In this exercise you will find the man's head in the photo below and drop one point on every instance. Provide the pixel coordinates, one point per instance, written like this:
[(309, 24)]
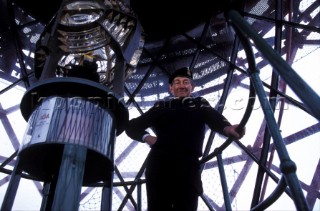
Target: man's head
[(181, 84)]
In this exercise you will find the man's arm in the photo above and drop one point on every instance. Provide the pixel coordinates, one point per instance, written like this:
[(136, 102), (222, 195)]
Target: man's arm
[(218, 122), (136, 127)]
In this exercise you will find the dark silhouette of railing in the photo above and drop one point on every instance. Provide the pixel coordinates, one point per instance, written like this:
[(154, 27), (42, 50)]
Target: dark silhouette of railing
[(289, 181)]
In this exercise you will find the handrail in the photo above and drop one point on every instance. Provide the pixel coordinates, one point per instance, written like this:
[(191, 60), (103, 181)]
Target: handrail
[(243, 122), (240, 127), (263, 167), (278, 191), (308, 96), (288, 167), (217, 152)]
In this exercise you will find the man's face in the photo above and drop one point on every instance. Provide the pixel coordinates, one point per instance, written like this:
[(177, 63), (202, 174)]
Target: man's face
[(181, 87)]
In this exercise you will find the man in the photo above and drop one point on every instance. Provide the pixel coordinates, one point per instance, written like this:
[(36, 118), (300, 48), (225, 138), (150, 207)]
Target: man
[(173, 177)]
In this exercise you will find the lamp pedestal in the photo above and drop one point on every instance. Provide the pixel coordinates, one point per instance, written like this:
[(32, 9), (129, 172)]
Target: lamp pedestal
[(69, 140)]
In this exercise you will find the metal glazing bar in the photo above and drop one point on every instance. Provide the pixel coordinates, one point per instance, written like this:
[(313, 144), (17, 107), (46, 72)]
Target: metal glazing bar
[(288, 167), (297, 84)]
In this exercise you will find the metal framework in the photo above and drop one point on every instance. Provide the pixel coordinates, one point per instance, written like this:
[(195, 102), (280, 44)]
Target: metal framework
[(251, 49)]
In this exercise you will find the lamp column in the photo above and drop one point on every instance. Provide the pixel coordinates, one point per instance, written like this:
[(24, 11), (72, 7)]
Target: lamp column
[(75, 111)]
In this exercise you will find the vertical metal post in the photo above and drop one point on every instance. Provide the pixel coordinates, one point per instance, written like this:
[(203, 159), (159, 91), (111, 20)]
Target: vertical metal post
[(12, 188), (224, 184), (68, 189), (139, 198), (106, 197)]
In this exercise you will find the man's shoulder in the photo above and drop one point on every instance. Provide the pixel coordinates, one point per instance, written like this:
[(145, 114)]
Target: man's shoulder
[(170, 100), (200, 100), (162, 102)]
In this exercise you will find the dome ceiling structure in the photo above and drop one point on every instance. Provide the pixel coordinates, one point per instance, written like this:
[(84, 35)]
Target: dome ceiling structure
[(201, 35)]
